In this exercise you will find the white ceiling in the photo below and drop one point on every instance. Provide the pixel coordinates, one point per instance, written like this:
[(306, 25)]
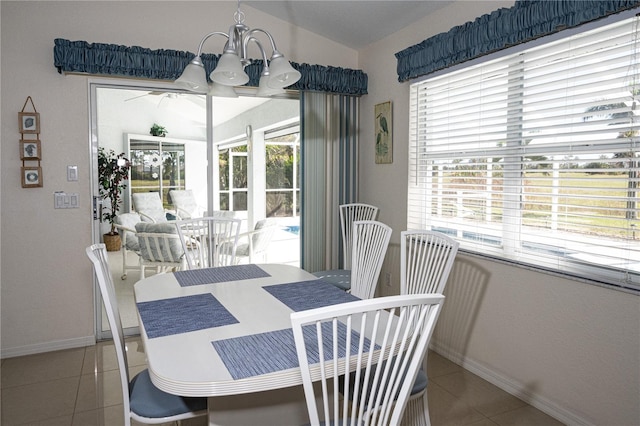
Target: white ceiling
[(354, 23)]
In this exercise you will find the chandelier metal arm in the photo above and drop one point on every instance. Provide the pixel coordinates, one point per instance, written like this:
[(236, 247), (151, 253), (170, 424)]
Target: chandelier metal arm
[(205, 38), (250, 36)]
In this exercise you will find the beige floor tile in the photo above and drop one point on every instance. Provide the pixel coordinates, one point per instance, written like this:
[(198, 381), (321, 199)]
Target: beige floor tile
[(99, 358), (437, 365), (99, 390), (446, 409), (56, 421), (37, 402), (480, 394), (483, 422), (42, 367), (525, 416), (135, 352), (109, 416)]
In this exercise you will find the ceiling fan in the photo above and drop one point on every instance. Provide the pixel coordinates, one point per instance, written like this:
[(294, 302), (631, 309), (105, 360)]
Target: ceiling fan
[(196, 99)]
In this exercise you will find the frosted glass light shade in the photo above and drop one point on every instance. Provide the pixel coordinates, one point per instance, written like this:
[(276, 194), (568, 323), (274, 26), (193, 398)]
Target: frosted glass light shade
[(193, 77), (229, 71), (282, 73), (265, 91), (221, 91)]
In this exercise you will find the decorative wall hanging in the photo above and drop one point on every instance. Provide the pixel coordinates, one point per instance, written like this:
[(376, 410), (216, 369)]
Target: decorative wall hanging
[(30, 147), (383, 121)]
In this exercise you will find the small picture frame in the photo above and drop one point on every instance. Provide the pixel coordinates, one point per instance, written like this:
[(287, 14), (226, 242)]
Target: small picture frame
[(383, 130), (29, 122), (31, 177), (30, 150)]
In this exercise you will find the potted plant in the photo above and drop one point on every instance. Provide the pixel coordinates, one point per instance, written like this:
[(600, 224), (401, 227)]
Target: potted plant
[(158, 130), (113, 171)]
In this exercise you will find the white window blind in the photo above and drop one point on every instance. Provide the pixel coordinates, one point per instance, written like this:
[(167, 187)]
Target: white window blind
[(533, 157)]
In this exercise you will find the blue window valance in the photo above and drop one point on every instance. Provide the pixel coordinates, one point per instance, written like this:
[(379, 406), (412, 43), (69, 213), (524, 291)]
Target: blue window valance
[(505, 27), (161, 64)]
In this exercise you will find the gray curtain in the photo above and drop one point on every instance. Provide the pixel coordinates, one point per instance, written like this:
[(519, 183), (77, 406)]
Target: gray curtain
[(329, 174)]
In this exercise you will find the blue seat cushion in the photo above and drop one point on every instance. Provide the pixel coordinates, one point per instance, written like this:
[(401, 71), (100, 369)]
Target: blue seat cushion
[(149, 401), (419, 384), (340, 278)]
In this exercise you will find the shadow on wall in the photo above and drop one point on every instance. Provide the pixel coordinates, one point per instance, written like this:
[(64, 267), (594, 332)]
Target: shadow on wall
[(391, 263), (463, 296)]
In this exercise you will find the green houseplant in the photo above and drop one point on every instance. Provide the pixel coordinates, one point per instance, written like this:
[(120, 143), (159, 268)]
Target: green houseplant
[(113, 172), (158, 130)]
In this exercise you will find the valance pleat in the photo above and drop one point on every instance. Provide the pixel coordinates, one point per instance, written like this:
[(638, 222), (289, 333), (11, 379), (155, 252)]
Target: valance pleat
[(505, 27), (162, 64)]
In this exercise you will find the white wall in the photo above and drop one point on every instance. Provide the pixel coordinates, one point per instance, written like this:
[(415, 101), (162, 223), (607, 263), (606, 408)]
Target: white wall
[(47, 292), (570, 348)]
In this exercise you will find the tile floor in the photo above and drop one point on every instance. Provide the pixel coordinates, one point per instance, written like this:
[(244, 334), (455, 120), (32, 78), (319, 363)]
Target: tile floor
[(81, 387)]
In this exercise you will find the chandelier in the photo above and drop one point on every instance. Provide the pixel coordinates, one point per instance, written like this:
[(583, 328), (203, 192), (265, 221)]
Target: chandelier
[(277, 73)]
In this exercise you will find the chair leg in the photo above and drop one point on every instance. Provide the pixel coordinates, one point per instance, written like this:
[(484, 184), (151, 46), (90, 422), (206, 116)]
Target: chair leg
[(417, 411), (124, 264)]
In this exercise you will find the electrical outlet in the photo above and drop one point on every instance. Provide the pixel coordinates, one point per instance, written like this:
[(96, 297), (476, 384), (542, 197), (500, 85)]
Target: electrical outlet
[(387, 279)]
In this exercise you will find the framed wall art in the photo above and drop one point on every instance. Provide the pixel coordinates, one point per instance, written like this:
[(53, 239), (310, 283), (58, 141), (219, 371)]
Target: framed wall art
[(29, 122), (31, 177), (30, 150), (383, 126)]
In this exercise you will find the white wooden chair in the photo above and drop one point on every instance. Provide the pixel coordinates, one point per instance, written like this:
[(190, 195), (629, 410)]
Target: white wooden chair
[(142, 401), (160, 247), (209, 241), (361, 382), (369, 247), (426, 260), (349, 213)]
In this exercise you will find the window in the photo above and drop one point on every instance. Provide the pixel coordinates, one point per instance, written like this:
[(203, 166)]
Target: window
[(533, 157), (157, 167), (283, 172), (233, 177)]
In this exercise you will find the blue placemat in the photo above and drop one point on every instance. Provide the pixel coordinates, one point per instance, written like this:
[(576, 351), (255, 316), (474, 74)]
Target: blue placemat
[(303, 295), (219, 275), (183, 314), (263, 353)]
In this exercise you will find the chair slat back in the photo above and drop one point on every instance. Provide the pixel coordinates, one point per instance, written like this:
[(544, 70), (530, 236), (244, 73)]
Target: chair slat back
[(369, 247), (97, 253), (350, 213), (209, 241), (364, 356), (426, 259)]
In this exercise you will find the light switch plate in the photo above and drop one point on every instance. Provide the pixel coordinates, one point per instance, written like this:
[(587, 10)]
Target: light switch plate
[(72, 173)]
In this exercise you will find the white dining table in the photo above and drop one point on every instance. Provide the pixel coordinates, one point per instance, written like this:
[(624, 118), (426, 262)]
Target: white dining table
[(225, 333)]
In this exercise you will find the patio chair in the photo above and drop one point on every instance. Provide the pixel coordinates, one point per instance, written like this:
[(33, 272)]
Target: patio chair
[(426, 260), (364, 357), (349, 213), (253, 245), (126, 225), (160, 247), (149, 206), (185, 204), (208, 241), (142, 401), (369, 247)]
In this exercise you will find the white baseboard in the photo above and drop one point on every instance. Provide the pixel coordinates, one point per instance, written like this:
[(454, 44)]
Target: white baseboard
[(48, 347), (513, 387)]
